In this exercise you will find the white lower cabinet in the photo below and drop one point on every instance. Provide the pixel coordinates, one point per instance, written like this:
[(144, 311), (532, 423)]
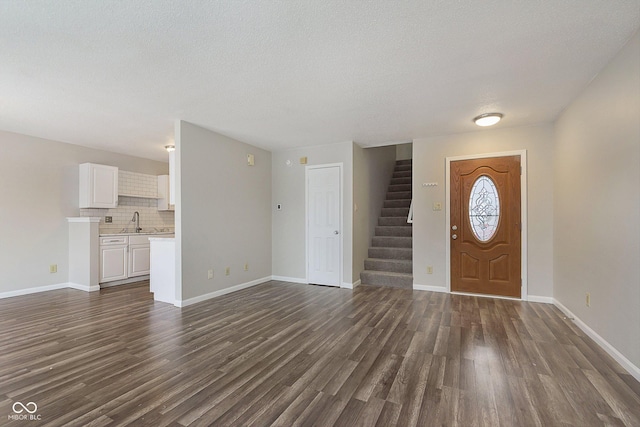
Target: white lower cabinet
[(113, 258), (139, 256), (122, 257)]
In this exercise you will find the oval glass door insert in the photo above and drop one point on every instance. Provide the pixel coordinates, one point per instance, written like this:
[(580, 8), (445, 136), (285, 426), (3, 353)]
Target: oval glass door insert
[(484, 208)]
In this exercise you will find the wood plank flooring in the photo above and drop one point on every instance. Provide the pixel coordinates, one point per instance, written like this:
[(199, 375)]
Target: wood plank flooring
[(285, 354)]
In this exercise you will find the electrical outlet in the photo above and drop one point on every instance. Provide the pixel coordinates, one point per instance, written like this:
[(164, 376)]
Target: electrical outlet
[(437, 206), (588, 299), (246, 266), (53, 268), (429, 270), (210, 274), (227, 271), (108, 219)]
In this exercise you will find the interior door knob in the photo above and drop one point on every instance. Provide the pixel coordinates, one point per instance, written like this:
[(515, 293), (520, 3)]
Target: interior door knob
[(454, 236), (454, 227), (335, 232)]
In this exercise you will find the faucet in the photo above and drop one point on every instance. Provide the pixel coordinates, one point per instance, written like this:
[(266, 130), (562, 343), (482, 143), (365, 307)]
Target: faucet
[(136, 218)]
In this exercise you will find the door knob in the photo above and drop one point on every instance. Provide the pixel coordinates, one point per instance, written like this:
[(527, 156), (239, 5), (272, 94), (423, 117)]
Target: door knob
[(454, 227), (454, 236), (335, 232)]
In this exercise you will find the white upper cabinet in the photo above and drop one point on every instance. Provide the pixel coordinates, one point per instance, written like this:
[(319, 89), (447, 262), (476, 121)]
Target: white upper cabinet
[(163, 194), (98, 186)]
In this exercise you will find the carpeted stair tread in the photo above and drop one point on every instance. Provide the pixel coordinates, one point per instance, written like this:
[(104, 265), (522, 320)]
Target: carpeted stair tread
[(391, 242), (390, 265), (399, 195), (399, 187), (397, 203), (385, 278), (398, 231), (402, 174), (397, 221), (395, 212), (391, 253)]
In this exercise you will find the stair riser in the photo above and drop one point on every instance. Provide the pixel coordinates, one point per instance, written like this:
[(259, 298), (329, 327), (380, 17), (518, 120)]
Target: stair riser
[(404, 162), (397, 203), (404, 180), (395, 212), (402, 174), (399, 187), (401, 168), (391, 242), (393, 221), (391, 253), (371, 278), (398, 231), (391, 265), (399, 195)]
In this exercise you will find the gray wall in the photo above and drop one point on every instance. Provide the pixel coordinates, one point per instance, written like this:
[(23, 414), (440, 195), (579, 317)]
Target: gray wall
[(39, 191), (372, 170), (224, 216), (597, 204), (289, 232), (404, 151), (430, 236)]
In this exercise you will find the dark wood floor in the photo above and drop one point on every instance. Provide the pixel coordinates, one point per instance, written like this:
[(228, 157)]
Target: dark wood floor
[(294, 355)]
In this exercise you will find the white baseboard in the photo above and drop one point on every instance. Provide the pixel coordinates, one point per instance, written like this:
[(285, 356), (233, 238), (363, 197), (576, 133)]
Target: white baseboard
[(290, 279), (83, 287), (346, 285), (19, 292), (356, 283), (195, 300), (429, 288), (536, 298), (611, 350)]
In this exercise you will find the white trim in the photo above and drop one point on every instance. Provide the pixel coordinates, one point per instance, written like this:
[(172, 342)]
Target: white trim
[(523, 213), (340, 167), (86, 288), (536, 298), (221, 292), (347, 285), (19, 292), (611, 350), (469, 294), (429, 288), (290, 279)]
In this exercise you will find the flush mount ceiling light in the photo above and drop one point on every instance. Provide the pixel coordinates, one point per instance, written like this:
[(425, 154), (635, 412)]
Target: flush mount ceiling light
[(170, 148), (488, 119)]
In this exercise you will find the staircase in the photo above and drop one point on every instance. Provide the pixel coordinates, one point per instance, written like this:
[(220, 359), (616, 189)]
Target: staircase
[(391, 254)]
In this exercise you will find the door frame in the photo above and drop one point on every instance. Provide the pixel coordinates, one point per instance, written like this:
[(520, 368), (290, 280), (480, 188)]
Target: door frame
[(524, 294), (306, 217)]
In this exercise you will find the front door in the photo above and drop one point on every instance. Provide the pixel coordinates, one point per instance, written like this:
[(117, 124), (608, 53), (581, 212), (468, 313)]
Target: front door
[(485, 229), (323, 222)]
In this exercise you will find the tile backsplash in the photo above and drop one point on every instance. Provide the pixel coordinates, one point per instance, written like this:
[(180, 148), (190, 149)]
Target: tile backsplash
[(139, 184)]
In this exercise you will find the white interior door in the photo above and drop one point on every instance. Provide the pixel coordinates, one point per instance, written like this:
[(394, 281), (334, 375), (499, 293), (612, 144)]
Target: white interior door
[(324, 227)]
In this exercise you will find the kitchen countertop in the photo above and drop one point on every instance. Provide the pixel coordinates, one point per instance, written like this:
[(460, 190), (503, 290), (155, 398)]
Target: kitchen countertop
[(159, 233)]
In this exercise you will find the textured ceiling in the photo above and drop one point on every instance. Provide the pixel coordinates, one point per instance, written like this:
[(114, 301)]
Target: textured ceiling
[(279, 74)]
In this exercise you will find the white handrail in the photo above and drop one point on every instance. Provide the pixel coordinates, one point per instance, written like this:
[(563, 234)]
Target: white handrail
[(410, 216)]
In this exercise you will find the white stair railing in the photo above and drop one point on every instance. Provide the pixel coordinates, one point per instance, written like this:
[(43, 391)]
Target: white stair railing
[(410, 216)]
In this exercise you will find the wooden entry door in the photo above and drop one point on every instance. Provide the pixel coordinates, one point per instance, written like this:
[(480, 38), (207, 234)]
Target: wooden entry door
[(486, 225)]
